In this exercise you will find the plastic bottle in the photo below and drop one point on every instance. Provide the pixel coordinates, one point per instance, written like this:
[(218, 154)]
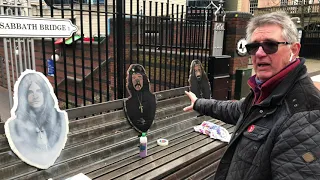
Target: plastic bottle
[(143, 145)]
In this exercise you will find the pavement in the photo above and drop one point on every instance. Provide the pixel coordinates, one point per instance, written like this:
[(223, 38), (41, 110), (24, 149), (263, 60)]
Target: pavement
[(313, 67)]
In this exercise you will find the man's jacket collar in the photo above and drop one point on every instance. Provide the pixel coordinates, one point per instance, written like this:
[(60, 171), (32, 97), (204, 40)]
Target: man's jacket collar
[(279, 84)]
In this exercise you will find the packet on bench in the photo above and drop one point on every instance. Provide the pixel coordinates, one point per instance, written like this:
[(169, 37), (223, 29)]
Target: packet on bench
[(213, 130)]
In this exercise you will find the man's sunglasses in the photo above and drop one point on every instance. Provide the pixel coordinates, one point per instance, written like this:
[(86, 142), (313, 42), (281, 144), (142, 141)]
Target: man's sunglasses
[(269, 47)]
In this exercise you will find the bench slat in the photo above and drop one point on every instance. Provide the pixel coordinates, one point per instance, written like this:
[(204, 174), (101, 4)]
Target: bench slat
[(171, 93), (210, 177), (94, 109), (92, 121), (4, 145), (118, 104), (2, 128), (9, 172), (206, 171), (197, 166)]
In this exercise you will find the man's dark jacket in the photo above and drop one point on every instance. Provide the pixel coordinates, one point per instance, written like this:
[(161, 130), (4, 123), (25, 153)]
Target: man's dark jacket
[(278, 138)]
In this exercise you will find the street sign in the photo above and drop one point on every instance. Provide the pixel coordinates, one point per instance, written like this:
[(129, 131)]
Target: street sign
[(241, 47), (26, 26)]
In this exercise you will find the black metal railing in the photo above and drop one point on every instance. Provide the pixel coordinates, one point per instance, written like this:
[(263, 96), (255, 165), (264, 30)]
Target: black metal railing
[(163, 37), (310, 44)]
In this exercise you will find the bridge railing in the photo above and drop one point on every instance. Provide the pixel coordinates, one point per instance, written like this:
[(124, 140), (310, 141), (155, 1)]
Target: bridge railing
[(290, 9)]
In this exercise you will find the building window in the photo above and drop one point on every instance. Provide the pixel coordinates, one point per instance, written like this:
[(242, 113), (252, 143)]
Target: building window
[(299, 2), (283, 2), (11, 11), (253, 5), (77, 1), (201, 4)]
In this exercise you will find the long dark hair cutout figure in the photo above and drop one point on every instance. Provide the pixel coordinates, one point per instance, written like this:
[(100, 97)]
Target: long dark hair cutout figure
[(198, 80), (140, 107), (37, 129)]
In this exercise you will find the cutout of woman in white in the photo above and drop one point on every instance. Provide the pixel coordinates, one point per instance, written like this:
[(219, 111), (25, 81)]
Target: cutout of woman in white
[(37, 130)]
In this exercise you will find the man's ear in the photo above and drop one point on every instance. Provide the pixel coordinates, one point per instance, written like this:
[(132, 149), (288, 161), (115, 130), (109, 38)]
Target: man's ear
[(295, 48)]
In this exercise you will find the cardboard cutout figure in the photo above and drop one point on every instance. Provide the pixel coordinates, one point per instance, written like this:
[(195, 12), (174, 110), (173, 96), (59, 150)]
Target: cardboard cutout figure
[(140, 107), (37, 129), (198, 80)]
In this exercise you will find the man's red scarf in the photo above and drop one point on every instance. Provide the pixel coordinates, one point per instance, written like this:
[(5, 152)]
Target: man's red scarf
[(263, 90)]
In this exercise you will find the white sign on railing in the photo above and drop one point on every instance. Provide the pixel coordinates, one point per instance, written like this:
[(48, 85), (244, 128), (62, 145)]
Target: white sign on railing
[(26, 26)]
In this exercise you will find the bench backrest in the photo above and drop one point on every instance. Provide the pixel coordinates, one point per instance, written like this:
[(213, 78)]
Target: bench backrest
[(118, 104), (89, 110)]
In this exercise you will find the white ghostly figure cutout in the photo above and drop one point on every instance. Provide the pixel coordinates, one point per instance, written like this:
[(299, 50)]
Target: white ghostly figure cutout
[(35, 96), (37, 129)]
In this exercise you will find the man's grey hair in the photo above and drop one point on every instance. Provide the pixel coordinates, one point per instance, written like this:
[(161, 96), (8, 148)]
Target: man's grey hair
[(280, 18)]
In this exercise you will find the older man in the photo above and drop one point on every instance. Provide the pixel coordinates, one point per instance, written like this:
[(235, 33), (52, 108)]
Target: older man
[(277, 132)]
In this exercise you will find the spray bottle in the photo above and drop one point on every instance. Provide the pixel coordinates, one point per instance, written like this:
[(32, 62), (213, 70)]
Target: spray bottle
[(143, 145)]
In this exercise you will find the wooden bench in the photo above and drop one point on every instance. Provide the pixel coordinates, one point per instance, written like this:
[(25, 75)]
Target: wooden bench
[(103, 145)]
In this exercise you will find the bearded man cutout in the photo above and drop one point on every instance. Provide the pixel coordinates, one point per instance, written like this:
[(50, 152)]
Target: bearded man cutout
[(198, 80), (140, 107)]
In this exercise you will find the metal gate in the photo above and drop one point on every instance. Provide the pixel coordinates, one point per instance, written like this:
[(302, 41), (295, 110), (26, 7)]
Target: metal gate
[(310, 41)]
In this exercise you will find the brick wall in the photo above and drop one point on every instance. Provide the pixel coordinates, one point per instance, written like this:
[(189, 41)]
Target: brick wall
[(236, 23)]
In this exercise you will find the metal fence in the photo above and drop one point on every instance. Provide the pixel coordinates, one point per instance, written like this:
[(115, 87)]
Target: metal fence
[(310, 41), (16, 53), (293, 9), (90, 67)]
